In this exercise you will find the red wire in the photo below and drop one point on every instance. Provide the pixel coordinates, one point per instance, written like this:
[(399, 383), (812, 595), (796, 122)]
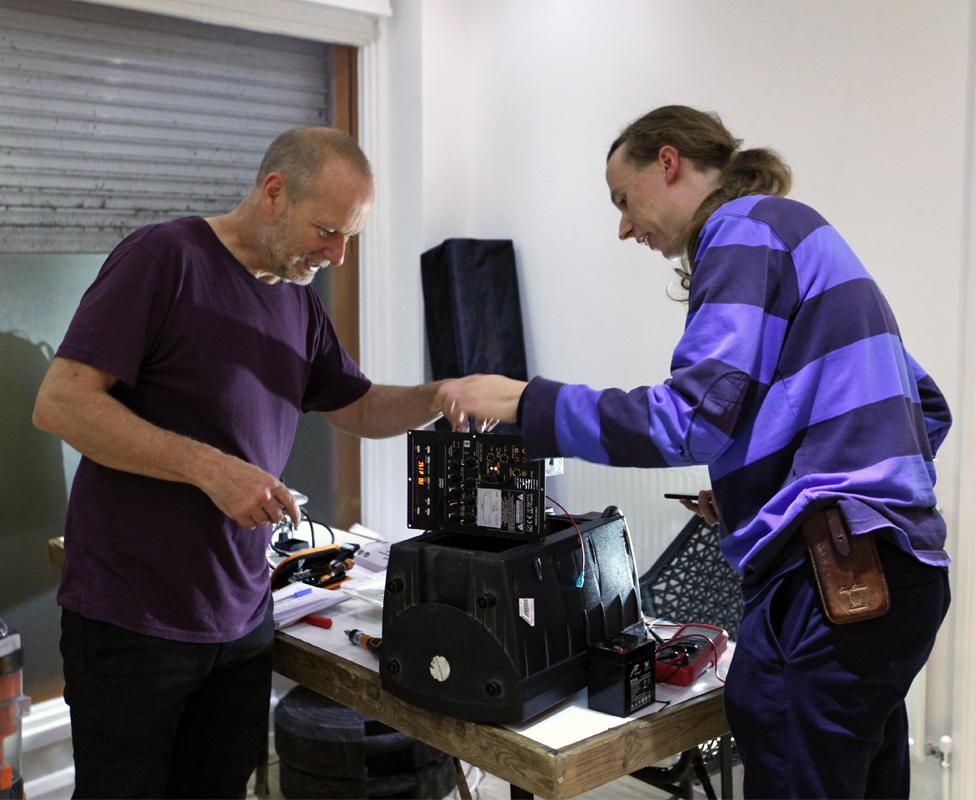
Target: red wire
[(672, 640), (578, 533)]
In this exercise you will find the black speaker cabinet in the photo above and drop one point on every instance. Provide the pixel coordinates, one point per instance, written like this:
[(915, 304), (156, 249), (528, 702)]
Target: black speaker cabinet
[(494, 630)]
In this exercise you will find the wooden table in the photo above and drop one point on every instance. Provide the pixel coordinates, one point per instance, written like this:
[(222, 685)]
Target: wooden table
[(538, 769), (525, 763)]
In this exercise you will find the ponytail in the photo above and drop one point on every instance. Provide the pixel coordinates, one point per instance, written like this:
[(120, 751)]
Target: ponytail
[(756, 171)]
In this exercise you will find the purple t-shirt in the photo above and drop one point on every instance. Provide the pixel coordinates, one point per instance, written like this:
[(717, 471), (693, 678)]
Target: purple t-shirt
[(201, 348)]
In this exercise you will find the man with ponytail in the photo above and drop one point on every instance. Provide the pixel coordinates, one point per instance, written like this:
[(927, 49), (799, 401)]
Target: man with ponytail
[(792, 384)]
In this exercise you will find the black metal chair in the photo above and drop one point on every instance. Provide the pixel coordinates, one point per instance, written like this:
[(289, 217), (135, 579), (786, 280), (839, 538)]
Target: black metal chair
[(693, 582)]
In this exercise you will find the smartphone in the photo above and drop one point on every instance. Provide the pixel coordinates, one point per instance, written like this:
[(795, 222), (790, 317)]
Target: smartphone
[(692, 497)]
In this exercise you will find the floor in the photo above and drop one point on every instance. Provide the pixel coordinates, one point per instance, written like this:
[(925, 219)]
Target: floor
[(927, 779), (489, 787)]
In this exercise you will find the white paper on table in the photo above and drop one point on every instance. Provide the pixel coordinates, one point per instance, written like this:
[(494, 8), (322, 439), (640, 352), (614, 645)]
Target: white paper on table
[(288, 608), (370, 587)]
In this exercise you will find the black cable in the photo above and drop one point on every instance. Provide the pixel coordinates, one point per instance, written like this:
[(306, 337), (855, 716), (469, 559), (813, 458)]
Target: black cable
[(649, 626), (316, 522), (311, 525), (276, 531)]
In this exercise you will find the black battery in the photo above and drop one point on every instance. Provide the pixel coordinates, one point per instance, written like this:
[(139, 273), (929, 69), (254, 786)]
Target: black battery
[(621, 672)]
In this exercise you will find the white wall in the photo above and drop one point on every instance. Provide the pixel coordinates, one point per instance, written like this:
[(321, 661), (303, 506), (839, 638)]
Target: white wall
[(866, 100), (422, 198), (517, 102)]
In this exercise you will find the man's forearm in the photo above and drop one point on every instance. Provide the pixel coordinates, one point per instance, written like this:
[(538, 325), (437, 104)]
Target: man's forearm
[(103, 429), (395, 409), (388, 411), (74, 404)]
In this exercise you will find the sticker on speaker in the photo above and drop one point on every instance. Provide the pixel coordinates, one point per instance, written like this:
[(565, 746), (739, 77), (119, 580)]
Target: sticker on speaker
[(440, 668)]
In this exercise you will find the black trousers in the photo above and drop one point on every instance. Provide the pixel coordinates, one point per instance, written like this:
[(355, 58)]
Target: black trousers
[(157, 718), (817, 709)]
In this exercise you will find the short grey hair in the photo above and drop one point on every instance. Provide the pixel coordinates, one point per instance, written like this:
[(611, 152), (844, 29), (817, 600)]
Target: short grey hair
[(300, 154)]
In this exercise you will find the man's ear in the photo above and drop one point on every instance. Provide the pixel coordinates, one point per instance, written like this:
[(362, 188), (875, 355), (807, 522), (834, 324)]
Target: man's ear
[(274, 194), (670, 161)]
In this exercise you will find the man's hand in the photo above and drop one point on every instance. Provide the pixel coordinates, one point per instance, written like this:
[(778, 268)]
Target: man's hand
[(705, 507), (479, 402), (247, 494)]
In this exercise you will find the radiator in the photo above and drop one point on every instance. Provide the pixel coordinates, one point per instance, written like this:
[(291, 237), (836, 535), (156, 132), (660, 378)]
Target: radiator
[(638, 493)]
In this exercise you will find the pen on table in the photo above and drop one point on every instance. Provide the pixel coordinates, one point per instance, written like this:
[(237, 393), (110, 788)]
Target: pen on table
[(364, 640), (299, 593), (318, 621)]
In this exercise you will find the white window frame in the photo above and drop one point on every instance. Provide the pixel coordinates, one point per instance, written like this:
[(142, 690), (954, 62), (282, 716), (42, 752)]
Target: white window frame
[(351, 22)]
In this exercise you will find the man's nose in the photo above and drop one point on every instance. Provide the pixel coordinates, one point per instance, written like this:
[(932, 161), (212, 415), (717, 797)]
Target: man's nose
[(335, 250), (626, 230)]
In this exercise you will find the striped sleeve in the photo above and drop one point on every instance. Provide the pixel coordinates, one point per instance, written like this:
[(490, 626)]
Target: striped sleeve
[(743, 290), (935, 410)]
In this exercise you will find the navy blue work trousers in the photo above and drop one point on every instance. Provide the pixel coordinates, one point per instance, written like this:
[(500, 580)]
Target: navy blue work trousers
[(156, 718), (817, 709)]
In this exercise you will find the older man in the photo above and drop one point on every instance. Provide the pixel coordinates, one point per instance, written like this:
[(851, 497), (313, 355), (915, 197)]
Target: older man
[(181, 380)]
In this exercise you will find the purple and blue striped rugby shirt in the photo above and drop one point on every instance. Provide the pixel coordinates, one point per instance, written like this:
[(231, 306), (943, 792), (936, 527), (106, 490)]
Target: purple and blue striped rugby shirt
[(790, 382)]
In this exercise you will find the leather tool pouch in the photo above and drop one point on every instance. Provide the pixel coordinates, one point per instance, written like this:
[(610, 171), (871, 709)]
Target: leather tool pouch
[(848, 571)]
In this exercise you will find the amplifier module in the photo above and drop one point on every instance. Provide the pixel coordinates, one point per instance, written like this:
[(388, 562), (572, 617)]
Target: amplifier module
[(481, 484)]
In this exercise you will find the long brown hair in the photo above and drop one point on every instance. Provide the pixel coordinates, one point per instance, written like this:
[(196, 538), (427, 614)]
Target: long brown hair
[(701, 137)]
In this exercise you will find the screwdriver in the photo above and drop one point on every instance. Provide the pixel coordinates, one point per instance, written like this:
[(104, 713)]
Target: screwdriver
[(364, 640)]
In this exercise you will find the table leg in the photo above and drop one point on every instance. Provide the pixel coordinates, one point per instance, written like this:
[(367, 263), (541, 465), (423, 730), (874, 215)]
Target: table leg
[(725, 764), (518, 793), (698, 766), (462, 780)]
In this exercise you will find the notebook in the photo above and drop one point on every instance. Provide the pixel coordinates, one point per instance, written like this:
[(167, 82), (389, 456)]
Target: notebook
[(294, 601)]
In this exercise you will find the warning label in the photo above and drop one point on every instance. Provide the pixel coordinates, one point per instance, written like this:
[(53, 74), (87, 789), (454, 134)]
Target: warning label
[(490, 508)]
